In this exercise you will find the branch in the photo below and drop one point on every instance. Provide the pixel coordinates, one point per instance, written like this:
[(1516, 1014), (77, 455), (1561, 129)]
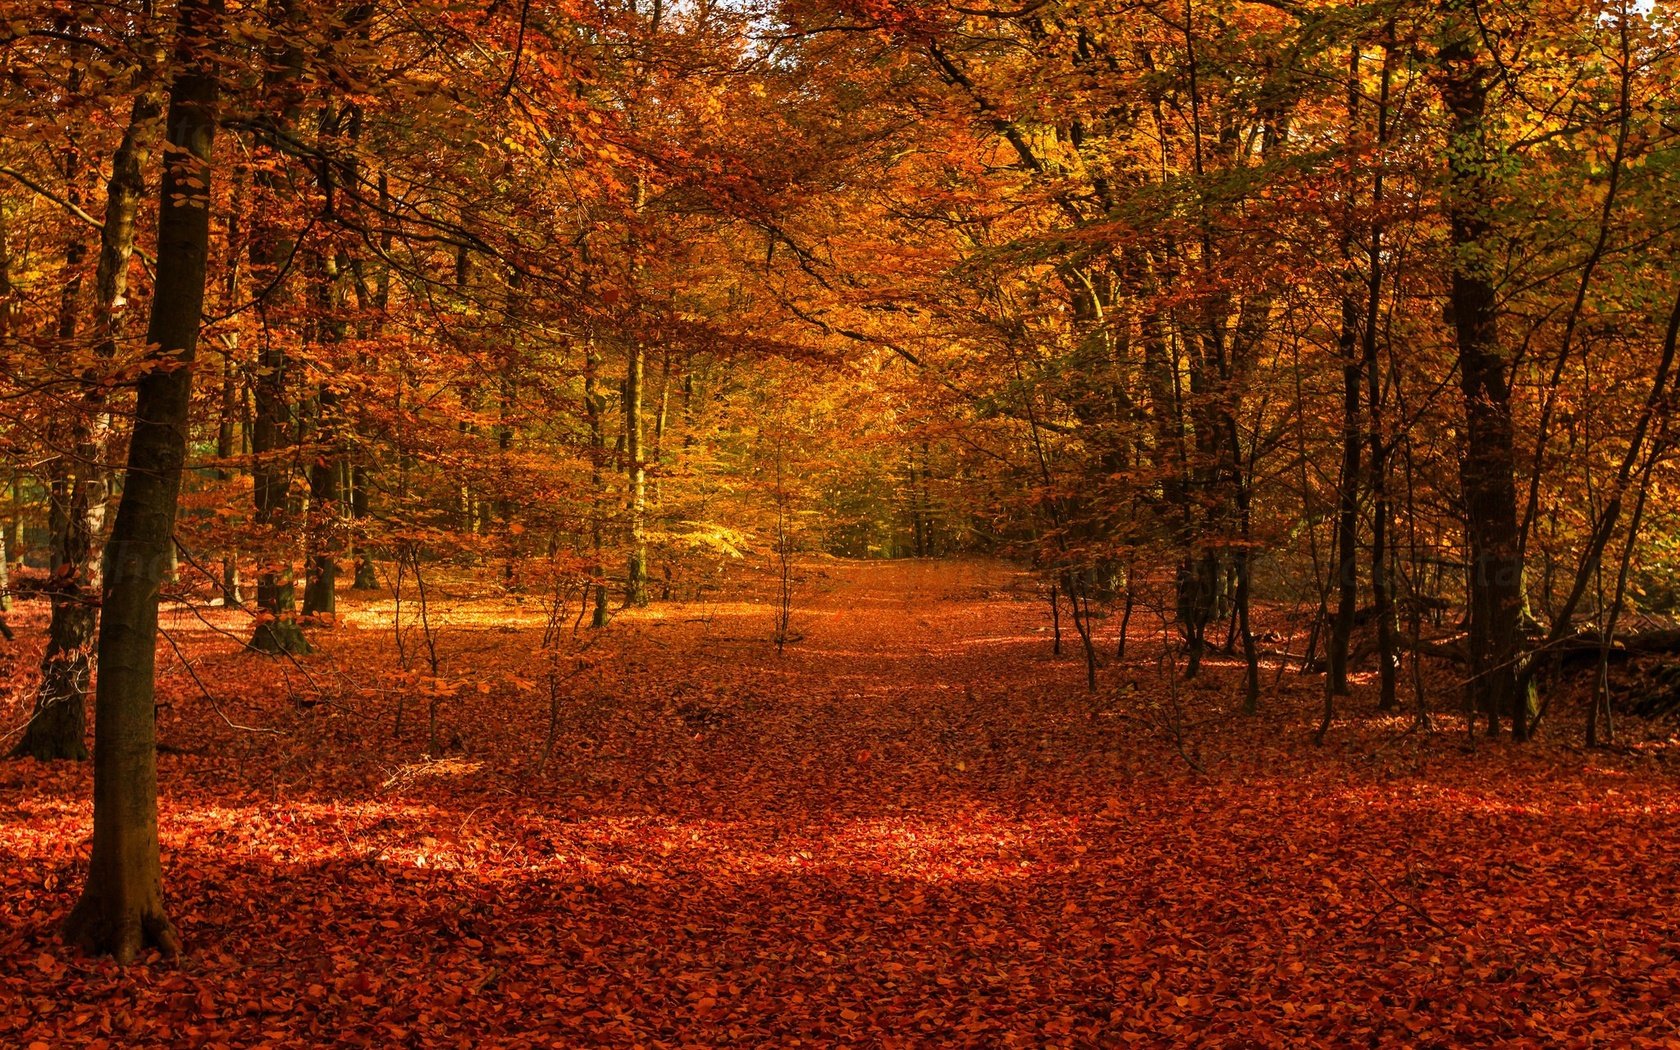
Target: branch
[(70, 206)]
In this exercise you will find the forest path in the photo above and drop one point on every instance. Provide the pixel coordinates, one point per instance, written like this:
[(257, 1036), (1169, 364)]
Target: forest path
[(906, 666), (913, 828), (911, 621)]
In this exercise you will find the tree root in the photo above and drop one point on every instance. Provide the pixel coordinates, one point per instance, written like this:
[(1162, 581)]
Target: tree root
[(93, 929)]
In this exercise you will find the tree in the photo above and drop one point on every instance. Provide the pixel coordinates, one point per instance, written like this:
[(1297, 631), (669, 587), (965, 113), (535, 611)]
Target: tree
[(58, 725), (121, 909), (1487, 469)]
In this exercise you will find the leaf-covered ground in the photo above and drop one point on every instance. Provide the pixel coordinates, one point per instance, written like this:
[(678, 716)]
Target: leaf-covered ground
[(914, 828)]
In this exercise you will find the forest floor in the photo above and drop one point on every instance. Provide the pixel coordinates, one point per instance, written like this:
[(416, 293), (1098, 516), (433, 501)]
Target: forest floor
[(915, 827)]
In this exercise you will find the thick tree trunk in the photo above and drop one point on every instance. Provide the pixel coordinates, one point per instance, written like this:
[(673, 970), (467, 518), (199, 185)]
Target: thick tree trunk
[(121, 907), (1486, 473), (273, 420)]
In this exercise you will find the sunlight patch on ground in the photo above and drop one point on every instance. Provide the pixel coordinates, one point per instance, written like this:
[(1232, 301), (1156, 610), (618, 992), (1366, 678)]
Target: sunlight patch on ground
[(430, 769), (976, 846)]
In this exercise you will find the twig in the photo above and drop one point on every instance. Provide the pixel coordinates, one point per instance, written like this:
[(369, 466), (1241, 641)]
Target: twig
[(211, 700), (1396, 902)]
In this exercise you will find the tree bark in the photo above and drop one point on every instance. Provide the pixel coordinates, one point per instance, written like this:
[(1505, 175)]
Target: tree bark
[(1347, 489), (635, 585), (273, 423), (121, 907), (228, 419), (57, 725), (1381, 589), (1487, 470), (320, 593), (9, 311), (592, 410)]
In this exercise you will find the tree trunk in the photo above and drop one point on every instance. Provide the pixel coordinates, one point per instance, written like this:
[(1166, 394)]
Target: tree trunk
[(1486, 473), (1382, 590), (592, 410), (1347, 488), (320, 593), (661, 420), (360, 480), (366, 579), (272, 251), (59, 724), (1347, 508), (121, 906), (635, 585), (227, 422)]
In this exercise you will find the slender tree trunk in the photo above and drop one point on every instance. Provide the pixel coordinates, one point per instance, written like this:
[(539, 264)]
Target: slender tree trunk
[(228, 421), (1243, 490), (321, 589), (1347, 510), (8, 307), (14, 524), (917, 523), (360, 472), (635, 587), (661, 420), (8, 312), (320, 594), (1055, 620), (1381, 589), (593, 410), (1347, 488), (366, 579), (1126, 610), (121, 907)]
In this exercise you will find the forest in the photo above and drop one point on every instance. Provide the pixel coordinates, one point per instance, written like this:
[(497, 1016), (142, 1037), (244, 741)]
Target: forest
[(988, 523)]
